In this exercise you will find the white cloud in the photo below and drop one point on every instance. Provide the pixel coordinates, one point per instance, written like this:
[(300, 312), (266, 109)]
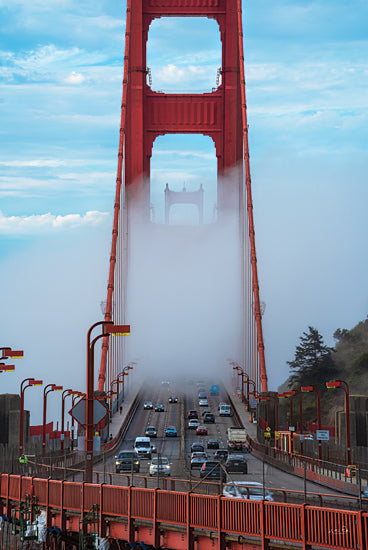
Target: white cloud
[(74, 78), (36, 163), (49, 62), (17, 225)]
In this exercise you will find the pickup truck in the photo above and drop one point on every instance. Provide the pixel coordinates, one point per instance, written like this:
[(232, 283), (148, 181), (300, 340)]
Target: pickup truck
[(237, 439)]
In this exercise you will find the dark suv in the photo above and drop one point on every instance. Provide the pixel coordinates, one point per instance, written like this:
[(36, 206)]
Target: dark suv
[(192, 414), (127, 461), (236, 463), (213, 470), (209, 418), (221, 455)]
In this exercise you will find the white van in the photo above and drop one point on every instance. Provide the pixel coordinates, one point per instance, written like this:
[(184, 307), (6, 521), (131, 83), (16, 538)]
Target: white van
[(225, 410), (143, 447)]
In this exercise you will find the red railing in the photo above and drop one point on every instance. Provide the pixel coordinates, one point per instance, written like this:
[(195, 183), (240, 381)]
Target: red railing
[(302, 524)]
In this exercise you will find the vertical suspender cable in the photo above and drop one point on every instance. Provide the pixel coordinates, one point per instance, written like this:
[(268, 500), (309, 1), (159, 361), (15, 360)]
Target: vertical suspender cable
[(253, 256), (115, 227)]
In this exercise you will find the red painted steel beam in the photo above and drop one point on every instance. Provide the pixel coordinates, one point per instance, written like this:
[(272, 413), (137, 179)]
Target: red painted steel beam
[(178, 8)]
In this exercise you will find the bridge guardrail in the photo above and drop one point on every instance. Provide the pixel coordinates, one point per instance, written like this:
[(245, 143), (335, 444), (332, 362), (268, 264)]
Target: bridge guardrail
[(301, 524)]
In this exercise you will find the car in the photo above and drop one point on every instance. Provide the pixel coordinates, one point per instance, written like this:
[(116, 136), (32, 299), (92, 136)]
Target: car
[(171, 431), (213, 444), (148, 405), (151, 431), (247, 489), (203, 403), (205, 411), (160, 466), (213, 469), (209, 418), (221, 454), (198, 453), (236, 463), (197, 447), (173, 399), (165, 383), (143, 447), (197, 462), (192, 414), (159, 407), (193, 424), (127, 461), (201, 430), (202, 395)]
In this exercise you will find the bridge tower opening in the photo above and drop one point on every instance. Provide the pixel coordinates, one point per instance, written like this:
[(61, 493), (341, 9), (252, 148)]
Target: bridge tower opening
[(216, 114)]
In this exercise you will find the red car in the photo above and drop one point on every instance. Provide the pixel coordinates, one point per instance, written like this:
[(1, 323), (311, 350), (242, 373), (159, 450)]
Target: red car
[(201, 430)]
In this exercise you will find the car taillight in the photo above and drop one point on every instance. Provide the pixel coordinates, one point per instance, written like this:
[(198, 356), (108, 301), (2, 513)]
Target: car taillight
[(204, 466)]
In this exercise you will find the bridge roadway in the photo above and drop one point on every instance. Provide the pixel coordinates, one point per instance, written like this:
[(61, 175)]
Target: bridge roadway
[(177, 449)]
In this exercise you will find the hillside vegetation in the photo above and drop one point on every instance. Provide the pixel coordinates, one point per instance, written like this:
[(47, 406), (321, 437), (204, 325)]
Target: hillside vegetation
[(315, 364)]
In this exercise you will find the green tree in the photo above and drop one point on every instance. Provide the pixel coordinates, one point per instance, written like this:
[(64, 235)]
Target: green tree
[(313, 363)]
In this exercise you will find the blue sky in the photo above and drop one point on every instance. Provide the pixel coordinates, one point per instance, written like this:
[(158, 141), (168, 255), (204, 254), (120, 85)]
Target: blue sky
[(60, 93)]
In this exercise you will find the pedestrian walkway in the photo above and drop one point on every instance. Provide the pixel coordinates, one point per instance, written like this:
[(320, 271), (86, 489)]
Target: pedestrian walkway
[(118, 419)]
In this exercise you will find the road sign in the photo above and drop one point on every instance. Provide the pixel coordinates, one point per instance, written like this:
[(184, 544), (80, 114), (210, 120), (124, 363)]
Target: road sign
[(78, 412), (268, 429), (308, 436), (267, 434), (323, 435)]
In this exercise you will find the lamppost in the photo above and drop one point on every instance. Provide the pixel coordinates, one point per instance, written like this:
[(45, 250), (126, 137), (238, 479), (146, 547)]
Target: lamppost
[(317, 391), (299, 393), (108, 328), (74, 397), (6, 368), (11, 353), (123, 373), (241, 372), (290, 397), (276, 401), (345, 387), (47, 389), (260, 397), (116, 382), (63, 396), (23, 387)]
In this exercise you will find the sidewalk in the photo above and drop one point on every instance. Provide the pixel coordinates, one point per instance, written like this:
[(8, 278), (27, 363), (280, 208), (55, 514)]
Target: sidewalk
[(119, 420)]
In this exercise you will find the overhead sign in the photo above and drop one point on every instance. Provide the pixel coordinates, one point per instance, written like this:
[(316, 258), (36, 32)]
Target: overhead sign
[(78, 412), (323, 435), (308, 436)]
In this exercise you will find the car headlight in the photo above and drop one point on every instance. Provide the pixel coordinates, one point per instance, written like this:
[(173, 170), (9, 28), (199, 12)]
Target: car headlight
[(167, 467), (117, 463), (136, 462)]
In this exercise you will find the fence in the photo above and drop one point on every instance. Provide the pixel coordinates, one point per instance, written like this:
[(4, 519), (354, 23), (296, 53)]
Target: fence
[(300, 524)]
